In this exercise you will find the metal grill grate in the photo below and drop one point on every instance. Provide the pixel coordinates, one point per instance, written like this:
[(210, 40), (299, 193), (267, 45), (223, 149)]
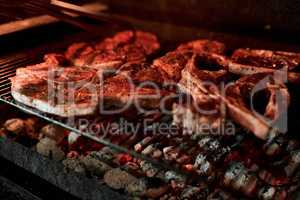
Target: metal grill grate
[(8, 68)]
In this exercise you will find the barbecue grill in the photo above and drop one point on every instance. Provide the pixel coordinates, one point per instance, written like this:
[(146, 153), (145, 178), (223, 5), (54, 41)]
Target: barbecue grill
[(209, 182)]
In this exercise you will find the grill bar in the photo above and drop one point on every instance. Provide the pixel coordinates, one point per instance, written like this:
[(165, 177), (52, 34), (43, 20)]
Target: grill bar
[(15, 62), (6, 97)]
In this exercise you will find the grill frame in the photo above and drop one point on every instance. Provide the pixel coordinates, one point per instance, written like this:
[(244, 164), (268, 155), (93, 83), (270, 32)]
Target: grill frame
[(14, 61), (6, 97), (53, 172)]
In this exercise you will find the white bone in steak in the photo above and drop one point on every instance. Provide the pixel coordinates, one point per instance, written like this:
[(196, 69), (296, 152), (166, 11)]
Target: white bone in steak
[(202, 85), (236, 98), (194, 82)]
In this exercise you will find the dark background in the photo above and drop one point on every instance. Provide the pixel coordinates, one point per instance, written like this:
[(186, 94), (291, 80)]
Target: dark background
[(275, 16)]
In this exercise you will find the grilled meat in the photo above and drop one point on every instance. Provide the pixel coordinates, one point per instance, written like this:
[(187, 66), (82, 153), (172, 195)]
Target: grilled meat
[(200, 46), (202, 85), (83, 54), (238, 93), (147, 42), (135, 84), (51, 62), (173, 63), (251, 61), (118, 92), (124, 47), (242, 70), (144, 73), (198, 83), (247, 66), (267, 58), (65, 92), (205, 107)]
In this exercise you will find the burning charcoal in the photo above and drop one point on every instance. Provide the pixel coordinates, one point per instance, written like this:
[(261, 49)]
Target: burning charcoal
[(106, 154), (153, 151), (293, 145), (219, 194), (171, 153), (133, 139), (131, 167), (294, 191), (267, 193), (148, 150), (209, 144), (31, 126), (137, 188), (183, 159), (169, 196), (203, 166), (118, 179), (122, 158), (157, 153), (72, 138), (2, 133), (155, 187), (240, 179), (73, 154), (140, 146), (48, 147), (272, 179), (149, 168), (274, 146), (293, 163), (148, 187), (270, 193), (74, 165), (191, 193), (95, 166), (177, 180), (14, 125), (53, 132)]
